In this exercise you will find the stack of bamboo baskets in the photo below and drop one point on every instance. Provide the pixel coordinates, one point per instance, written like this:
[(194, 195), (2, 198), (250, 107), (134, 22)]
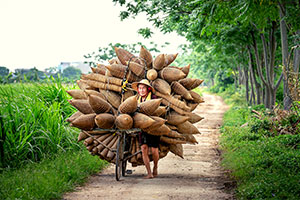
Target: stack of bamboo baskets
[(106, 101)]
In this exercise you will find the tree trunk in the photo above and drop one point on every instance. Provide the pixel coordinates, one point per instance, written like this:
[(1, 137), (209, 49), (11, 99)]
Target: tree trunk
[(246, 83)]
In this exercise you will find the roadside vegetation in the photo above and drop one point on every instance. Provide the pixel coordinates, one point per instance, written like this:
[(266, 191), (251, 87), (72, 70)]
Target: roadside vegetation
[(40, 157), (261, 149)]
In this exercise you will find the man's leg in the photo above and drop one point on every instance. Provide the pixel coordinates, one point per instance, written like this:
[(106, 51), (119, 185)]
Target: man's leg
[(146, 160), (155, 156)]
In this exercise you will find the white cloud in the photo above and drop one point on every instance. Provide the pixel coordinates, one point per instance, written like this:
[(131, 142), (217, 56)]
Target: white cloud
[(44, 33)]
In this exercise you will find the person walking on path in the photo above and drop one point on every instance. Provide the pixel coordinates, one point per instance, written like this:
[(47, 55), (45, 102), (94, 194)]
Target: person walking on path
[(145, 93)]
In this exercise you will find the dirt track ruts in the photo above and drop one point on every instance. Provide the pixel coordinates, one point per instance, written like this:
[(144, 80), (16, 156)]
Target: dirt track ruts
[(197, 176)]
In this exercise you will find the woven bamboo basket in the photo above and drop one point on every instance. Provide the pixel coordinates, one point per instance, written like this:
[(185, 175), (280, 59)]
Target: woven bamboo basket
[(127, 94), (98, 104), (146, 55), (114, 61), (193, 106), (194, 118), (177, 149), (101, 69), (110, 155), (169, 58), (171, 100), (171, 74), (94, 92), (105, 120), (196, 97), (129, 105), (105, 151), (85, 122), (97, 132), (142, 121), (88, 141), (174, 118), (106, 141), (159, 62), (137, 68), (161, 86), (197, 83), (117, 70), (74, 116), (158, 122), (123, 55), (81, 136), (171, 140), (161, 110), (190, 139), (187, 82), (150, 106), (152, 74), (102, 78), (77, 94), (187, 128), (179, 89), (186, 70), (103, 86), (174, 107), (124, 121), (112, 97), (84, 86), (174, 134), (172, 127), (81, 105), (162, 130)]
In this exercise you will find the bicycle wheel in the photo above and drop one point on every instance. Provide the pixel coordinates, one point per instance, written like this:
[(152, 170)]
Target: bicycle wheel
[(119, 158)]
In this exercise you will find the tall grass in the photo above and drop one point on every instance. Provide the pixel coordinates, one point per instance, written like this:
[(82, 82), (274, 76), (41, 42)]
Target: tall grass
[(32, 123)]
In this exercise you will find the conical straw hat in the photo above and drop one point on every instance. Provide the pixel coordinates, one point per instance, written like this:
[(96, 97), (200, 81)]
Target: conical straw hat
[(142, 121), (98, 104), (124, 121), (77, 94), (105, 120), (82, 105), (177, 149), (129, 105), (187, 128), (85, 122), (169, 58), (174, 118), (74, 116), (152, 74), (171, 74), (146, 55), (161, 86), (148, 107), (143, 81), (159, 62)]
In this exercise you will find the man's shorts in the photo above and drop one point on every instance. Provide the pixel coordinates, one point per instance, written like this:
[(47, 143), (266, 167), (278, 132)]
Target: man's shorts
[(150, 140)]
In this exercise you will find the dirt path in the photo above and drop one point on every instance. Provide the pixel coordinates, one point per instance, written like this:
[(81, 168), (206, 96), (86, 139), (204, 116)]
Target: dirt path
[(197, 176)]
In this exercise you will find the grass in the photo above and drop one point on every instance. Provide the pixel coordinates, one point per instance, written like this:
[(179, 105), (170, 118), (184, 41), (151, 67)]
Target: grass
[(50, 178), (265, 166)]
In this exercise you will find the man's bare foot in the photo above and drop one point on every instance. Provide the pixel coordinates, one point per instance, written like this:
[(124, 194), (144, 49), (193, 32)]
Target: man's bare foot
[(155, 171), (148, 176)]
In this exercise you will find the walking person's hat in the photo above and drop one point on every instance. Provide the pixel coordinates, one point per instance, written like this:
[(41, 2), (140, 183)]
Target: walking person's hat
[(143, 81)]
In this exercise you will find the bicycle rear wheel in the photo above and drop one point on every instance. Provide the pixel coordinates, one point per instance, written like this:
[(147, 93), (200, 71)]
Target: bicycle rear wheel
[(119, 158)]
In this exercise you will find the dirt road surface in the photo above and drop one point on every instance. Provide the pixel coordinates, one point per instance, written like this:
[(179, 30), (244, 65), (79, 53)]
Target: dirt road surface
[(197, 176)]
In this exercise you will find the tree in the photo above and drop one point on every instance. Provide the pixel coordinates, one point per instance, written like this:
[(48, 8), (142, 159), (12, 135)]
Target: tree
[(71, 73), (4, 71)]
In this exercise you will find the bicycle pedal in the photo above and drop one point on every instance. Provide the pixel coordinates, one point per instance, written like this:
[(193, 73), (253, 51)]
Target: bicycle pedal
[(128, 171)]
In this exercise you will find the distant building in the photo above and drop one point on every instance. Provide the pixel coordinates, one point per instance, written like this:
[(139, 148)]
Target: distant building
[(84, 68)]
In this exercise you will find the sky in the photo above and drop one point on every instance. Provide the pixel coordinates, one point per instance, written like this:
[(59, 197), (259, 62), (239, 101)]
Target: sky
[(43, 33)]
